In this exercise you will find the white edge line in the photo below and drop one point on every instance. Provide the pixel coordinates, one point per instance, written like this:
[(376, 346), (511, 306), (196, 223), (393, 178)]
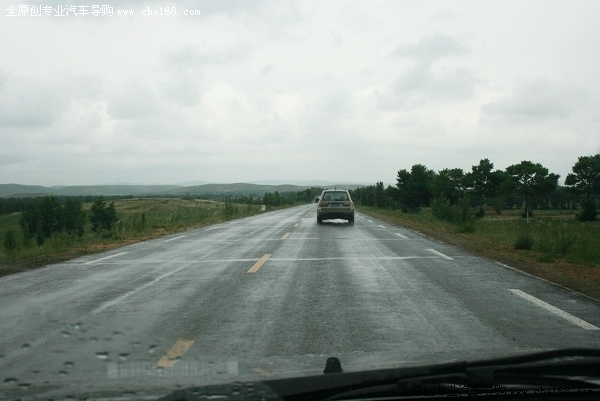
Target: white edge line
[(379, 225), (439, 254), (211, 228), (172, 239), (370, 220), (106, 257), (400, 235), (549, 282), (575, 320)]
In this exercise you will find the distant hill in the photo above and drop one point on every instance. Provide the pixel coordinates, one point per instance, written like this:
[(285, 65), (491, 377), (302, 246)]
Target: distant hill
[(248, 189), (309, 183), (7, 190), (21, 191), (191, 183), (235, 189), (17, 190)]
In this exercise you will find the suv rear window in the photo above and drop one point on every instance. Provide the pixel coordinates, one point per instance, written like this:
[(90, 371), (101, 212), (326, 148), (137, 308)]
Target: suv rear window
[(335, 196)]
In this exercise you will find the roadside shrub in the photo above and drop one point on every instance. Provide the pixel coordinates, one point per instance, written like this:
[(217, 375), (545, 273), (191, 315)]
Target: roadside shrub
[(524, 214), (524, 241), (480, 213), (10, 241), (442, 209), (555, 238), (589, 211), (229, 209), (106, 234), (465, 211), (40, 238), (498, 205), (26, 238), (467, 228), (58, 242)]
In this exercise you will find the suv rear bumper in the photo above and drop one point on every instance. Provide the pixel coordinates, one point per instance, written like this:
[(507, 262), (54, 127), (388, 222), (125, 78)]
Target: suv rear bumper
[(325, 215)]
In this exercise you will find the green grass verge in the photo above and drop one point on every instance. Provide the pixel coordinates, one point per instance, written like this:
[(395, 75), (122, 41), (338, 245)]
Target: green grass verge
[(561, 249), (139, 220)]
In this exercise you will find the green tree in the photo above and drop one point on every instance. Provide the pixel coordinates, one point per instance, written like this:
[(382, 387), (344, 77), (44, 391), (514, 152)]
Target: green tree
[(51, 216), (10, 241), (102, 217), (532, 179), (74, 217), (380, 199), (448, 183), (484, 182), (586, 179), (30, 218), (39, 235), (414, 187)]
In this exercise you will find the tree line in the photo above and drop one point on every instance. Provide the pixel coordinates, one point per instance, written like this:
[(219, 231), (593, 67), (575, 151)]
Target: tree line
[(527, 184), (289, 198), (13, 205), (42, 219)]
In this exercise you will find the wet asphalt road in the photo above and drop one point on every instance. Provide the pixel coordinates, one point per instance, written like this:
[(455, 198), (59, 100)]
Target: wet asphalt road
[(184, 309)]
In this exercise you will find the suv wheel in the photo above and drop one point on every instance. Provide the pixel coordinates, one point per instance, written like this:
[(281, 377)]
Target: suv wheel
[(319, 220), (351, 220)]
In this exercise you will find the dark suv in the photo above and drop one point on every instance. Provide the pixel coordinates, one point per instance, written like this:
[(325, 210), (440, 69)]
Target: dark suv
[(335, 204)]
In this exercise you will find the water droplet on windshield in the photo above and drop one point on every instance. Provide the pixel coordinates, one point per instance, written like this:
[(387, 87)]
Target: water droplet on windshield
[(24, 384), (10, 380), (123, 356), (152, 349), (25, 346), (63, 373), (69, 363), (102, 355), (65, 333)]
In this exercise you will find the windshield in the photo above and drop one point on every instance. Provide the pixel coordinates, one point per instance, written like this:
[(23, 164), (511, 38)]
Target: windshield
[(166, 212)]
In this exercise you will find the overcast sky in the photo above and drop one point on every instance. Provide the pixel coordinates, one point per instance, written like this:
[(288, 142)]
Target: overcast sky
[(349, 91)]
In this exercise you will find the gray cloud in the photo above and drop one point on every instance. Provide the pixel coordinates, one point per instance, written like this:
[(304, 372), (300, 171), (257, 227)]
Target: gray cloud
[(420, 82), (31, 101), (134, 101), (536, 101), (431, 48), (193, 58)]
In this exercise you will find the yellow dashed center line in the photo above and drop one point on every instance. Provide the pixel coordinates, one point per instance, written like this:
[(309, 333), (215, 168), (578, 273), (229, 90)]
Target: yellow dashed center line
[(259, 263), (263, 372), (174, 354), (285, 235)]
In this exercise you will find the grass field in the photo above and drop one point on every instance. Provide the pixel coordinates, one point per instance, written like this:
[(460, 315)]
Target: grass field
[(562, 249), (138, 219)]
